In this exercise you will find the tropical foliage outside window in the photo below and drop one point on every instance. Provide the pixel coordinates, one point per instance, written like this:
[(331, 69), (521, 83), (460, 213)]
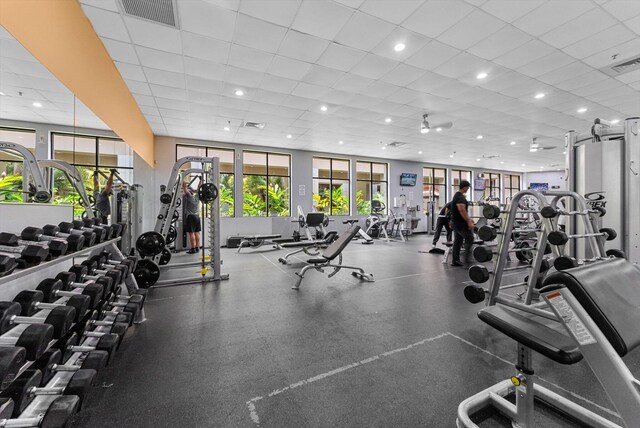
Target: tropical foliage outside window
[(434, 187), (371, 184), (266, 183), (331, 186), (11, 164)]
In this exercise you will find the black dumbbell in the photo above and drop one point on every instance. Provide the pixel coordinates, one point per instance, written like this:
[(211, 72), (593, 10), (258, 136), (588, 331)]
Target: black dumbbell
[(60, 318), (83, 328), (120, 316), (90, 224), (52, 291), (26, 387), (560, 238), (34, 339), (126, 266), (11, 361), (77, 241), (491, 211), (51, 363), (551, 212), (32, 302), (69, 283), (101, 233), (56, 247), (474, 293), (483, 253), (480, 274), (82, 274), (117, 273), (25, 255), (56, 416), (68, 344), (7, 264), (74, 242), (90, 236), (130, 260)]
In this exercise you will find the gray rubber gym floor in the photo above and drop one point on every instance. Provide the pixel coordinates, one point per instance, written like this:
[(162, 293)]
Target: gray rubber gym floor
[(250, 351)]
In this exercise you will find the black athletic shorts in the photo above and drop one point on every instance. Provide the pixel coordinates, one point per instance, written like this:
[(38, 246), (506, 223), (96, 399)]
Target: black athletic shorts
[(192, 223)]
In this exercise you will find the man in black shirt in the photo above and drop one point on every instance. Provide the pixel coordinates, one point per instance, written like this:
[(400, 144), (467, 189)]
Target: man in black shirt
[(443, 221), (462, 224)]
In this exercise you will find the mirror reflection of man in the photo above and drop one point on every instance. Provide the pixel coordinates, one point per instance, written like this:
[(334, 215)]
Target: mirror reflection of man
[(102, 202), (463, 225)]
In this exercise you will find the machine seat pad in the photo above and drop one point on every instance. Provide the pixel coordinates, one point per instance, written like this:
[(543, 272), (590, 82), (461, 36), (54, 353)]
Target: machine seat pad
[(610, 293), (317, 261), (314, 219), (260, 237), (336, 247), (300, 244), (532, 334)]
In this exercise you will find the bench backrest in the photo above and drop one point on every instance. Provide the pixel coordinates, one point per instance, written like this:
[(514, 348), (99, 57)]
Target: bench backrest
[(314, 219), (333, 250), (610, 293)]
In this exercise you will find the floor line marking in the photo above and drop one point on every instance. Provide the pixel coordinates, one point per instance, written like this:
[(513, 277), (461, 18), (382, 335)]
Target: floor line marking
[(573, 394), (251, 403), (168, 298)]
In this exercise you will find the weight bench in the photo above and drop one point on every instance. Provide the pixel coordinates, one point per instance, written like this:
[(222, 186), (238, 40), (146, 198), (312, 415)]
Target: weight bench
[(598, 308), (361, 233), (311, 247), (256, 241), (330, 253)]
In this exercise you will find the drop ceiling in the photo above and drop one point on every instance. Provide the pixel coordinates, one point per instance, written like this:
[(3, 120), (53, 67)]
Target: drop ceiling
[(290, 57)]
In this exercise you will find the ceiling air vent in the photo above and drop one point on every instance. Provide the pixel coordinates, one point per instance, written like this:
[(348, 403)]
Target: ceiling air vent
[(256, 125), (396, 144), (160, 11), (622, 67)]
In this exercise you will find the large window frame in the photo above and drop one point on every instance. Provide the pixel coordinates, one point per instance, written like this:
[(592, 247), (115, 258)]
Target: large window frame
[(457, 175), (11, 165), (273, 188), (375, 179), (434, 187), (332, 200), (492, 186), (227, 174), (509, 188)]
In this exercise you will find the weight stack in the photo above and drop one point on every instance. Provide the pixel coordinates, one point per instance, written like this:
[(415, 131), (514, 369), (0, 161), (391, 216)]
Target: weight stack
[(233, 241)]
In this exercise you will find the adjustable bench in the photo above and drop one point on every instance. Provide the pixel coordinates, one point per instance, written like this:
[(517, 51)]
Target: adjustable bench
[(330, 253), (256, 241), (598, 308)]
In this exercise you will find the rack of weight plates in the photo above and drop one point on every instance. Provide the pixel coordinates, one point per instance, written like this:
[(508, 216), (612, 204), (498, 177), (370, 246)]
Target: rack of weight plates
[(59, 327), (152, 245)]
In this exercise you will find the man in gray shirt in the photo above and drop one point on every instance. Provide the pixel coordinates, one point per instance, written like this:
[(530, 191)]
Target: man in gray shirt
[(102, 202), (191, 218)]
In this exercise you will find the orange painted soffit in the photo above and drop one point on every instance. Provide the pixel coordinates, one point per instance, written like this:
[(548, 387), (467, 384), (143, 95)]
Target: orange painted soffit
[(59, 35)]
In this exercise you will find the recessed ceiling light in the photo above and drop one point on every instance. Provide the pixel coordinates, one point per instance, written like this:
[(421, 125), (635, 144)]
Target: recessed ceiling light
[(226, 128), (323, 108), (513, 143), (478, 159), (438, 129), (420, 152), (533, 149), (481, 75), (450, 156), (37, 104), (388, 120), (479, 137), (582, 110), (424, 130), (340, 142), (239, 92), (384, 147), (501, 162), (539, 95), (289, 136), (399, 47), (524, 165), (541, 167), (614, 121), (2, 94), (564, 153)]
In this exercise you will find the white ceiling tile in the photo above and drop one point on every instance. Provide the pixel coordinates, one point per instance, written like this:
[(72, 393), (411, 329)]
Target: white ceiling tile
[(381, 89), (622, 9), (524, 54), (546, 64), (631, 77), (391, 10), (587, 79), (509, 11), (269, 97), (429, 82), (551, 15), (152, 35), (403, 96), (249, 58), (402, 75), (621, 52), (321, 18), (243, 78), (161, 60), (499, 43), (340, 57), (199, 84), (107, 24), (450, 90), (338, 97), (10, 48), (279, 12), (567, 72), (258, 34), (352, 83), (120, 51), (434, 16), (354, 4), (278, 84), (289, 68), (227, 4), (473, 27), (164, 78), (573, 31), (203, 18), (609, 38), (137, 87), (168, 92), (102, 4), (373, 66), (302, 47), (432, 55), (459, 65), (323, 76), (363, 32), (606, 85), (634, 24), (306, 90), (210, 49), (145, 100), (130, 71), (413, 43), (201, 68)]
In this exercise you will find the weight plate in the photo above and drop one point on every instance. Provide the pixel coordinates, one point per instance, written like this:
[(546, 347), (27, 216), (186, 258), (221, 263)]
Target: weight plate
[(176, 216), (165, 258), (171, 235), (165, 198), (150, 244), (208, 192), (146, 273)]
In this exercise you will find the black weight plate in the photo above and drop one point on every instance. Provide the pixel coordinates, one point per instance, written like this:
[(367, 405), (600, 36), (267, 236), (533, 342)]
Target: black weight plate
[(165, 198), (165, 258), (60, 411), (171, 235), (150, 244), (146, 273)]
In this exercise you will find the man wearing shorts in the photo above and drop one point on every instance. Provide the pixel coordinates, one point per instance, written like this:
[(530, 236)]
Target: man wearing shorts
[(191, 218), (102, 202)]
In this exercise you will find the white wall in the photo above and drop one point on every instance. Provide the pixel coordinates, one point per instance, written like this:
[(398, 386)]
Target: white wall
[(553, 178)]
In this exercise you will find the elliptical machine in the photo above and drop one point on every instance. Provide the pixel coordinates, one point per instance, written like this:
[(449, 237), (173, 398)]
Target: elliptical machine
[(377, 223)]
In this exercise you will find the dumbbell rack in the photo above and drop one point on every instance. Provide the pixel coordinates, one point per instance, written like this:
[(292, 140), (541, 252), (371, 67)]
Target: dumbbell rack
[(500, 259), (27, 279)]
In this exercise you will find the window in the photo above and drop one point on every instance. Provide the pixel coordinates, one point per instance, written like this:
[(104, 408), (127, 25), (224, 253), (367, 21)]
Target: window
[(88, 153), (371, 184), (265, 184), (227, 172), (492, 186), (11, 163), (434, 187), (331, 186), (511, 186), (457, 176)]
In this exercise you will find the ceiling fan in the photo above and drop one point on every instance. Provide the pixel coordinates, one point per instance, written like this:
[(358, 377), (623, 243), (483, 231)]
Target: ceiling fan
[(535, 146), (425, 127)]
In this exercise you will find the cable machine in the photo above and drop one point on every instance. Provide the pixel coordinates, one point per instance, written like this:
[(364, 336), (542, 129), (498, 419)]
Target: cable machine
[(33, 183)]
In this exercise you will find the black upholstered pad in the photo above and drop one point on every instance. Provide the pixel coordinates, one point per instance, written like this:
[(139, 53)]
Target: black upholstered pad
[(332, 251), (532, 334), (314, 219), (610, 293)]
